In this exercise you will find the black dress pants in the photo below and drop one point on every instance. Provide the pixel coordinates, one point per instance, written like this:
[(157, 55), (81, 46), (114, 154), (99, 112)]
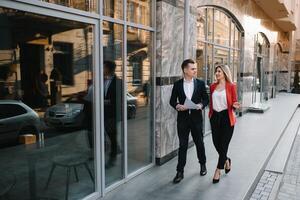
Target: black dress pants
[(221, 134), (184, 128)]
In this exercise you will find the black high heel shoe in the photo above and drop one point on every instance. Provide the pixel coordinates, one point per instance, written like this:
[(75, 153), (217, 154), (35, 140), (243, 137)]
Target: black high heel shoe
[(228, 170), (217, 180)]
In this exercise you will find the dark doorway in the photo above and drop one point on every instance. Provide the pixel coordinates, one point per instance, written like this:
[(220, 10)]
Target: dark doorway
[(31, 62)]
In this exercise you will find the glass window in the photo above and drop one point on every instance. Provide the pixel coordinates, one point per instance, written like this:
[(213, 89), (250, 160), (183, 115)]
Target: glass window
[(113, 8), (237, 38), (113, 93), (232, 34), (221, 28), (200, 59), (139, 11), (201, 24), (139, 104), (210, 13), (52, 74), (11, 110), (90, 5)]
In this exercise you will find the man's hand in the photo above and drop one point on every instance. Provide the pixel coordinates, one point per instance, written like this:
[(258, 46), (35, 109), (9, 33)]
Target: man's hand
[(199, 106), (180, 107)]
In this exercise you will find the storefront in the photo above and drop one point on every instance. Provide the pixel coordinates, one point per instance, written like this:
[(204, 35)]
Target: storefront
[(76, 96)]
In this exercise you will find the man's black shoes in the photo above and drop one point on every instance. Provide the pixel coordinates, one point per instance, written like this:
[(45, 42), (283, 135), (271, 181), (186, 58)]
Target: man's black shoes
[(203, 170), (178, 177)]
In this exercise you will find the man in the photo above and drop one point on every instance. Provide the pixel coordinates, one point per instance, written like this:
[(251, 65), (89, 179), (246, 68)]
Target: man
[(112, 101), (189, 120)]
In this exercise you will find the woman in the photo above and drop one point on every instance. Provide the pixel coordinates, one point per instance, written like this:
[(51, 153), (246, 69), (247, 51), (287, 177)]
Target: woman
[(223, 99)]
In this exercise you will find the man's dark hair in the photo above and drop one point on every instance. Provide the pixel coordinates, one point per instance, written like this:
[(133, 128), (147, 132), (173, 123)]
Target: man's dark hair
[(186, 62), (111, 65)]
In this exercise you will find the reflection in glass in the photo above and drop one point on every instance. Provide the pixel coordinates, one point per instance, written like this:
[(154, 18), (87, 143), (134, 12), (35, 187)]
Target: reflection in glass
[(201, 24), (113, 8), (210, 65), (200, 60), (113, 120), (232, 34), (139, 105), (139, 12), (46, 80), (210, 13), (221, 56), (221, 28), (90, 5), (237, 38)]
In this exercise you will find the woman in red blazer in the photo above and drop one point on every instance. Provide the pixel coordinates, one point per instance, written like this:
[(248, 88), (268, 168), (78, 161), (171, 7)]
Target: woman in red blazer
[(223, 101)]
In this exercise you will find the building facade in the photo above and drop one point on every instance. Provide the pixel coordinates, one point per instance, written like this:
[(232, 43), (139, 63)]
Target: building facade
[(85, 84)]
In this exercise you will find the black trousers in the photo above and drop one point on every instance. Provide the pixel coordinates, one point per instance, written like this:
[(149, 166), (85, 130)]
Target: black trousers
[(184, 128), (221, 134)]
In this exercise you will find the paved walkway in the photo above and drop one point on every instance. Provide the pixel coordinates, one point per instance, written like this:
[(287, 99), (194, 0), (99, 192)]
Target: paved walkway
[(290, 184), (254, 137)]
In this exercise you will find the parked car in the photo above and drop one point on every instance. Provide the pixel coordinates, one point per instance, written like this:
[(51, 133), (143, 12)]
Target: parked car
[(65, 115), (16, 118), (70, 114)]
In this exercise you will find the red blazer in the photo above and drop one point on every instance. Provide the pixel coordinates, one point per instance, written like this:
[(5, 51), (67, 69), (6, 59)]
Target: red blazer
[(231, 96)]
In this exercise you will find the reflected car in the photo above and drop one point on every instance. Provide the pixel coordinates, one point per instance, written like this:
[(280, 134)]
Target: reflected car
[(131, 106), (16, 118), (65, 115), (70, 114)]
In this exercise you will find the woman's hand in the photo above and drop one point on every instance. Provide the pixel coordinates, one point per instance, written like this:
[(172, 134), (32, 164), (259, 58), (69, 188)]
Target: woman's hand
[(236, 105)]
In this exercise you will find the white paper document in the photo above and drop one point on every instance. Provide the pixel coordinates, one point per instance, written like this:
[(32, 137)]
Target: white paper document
[(189, 104)]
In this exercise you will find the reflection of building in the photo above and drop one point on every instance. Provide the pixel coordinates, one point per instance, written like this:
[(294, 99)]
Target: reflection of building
[(65, 40)]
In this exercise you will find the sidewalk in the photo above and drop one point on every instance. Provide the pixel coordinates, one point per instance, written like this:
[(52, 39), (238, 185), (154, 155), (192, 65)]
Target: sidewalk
[(254, 138)]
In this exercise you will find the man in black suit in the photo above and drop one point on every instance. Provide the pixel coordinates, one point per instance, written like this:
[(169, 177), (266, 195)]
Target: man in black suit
[(112, 101), (189, 120)]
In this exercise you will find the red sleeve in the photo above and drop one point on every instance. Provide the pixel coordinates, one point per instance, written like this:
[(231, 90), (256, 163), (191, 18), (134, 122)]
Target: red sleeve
[(234, 93)]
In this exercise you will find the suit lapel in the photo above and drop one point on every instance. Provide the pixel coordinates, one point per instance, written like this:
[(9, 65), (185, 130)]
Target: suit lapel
[(182, 89)]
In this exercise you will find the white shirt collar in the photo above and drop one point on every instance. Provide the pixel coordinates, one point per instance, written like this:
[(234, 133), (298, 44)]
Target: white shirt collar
[(191, 81)]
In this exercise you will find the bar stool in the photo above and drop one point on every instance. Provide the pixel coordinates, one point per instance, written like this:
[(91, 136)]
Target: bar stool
[(70, 161)]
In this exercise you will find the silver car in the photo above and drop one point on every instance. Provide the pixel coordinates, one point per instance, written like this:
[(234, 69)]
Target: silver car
[(16, 118), (65, 115)]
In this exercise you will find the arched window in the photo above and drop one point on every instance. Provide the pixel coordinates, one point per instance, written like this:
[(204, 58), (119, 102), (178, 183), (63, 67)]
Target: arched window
[(262, 74), (218, 42)]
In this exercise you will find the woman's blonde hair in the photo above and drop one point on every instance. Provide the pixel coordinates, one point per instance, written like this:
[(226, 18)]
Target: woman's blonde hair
[(226, 72)]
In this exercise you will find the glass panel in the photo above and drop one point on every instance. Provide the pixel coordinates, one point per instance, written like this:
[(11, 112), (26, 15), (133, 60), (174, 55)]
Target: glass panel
[(200, 59), (210, 66), (51, 72), (139, 105), (210, 79), (113, 8), (232, 34), (237, 38), (236, 65), (90, 5), (221, 28), (113, 84), (201, 24), (139, 11), (221, 56), (210, 13)]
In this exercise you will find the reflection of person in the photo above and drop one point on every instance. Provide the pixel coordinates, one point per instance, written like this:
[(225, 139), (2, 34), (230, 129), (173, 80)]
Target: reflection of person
[(88, 113), (55, 83), (146, 91), (42, 90), (223, 99), (112, 101), (189, 119)]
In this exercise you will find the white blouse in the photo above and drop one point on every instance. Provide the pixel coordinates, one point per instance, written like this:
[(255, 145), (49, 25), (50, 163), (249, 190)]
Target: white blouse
[(219, 100)]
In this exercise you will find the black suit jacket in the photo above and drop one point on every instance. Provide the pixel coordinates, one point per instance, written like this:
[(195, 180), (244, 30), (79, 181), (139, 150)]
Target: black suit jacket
[(199, 96), (113, 99)]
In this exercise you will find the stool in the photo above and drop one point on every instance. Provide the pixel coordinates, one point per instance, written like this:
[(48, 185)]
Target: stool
[(70, 161)]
